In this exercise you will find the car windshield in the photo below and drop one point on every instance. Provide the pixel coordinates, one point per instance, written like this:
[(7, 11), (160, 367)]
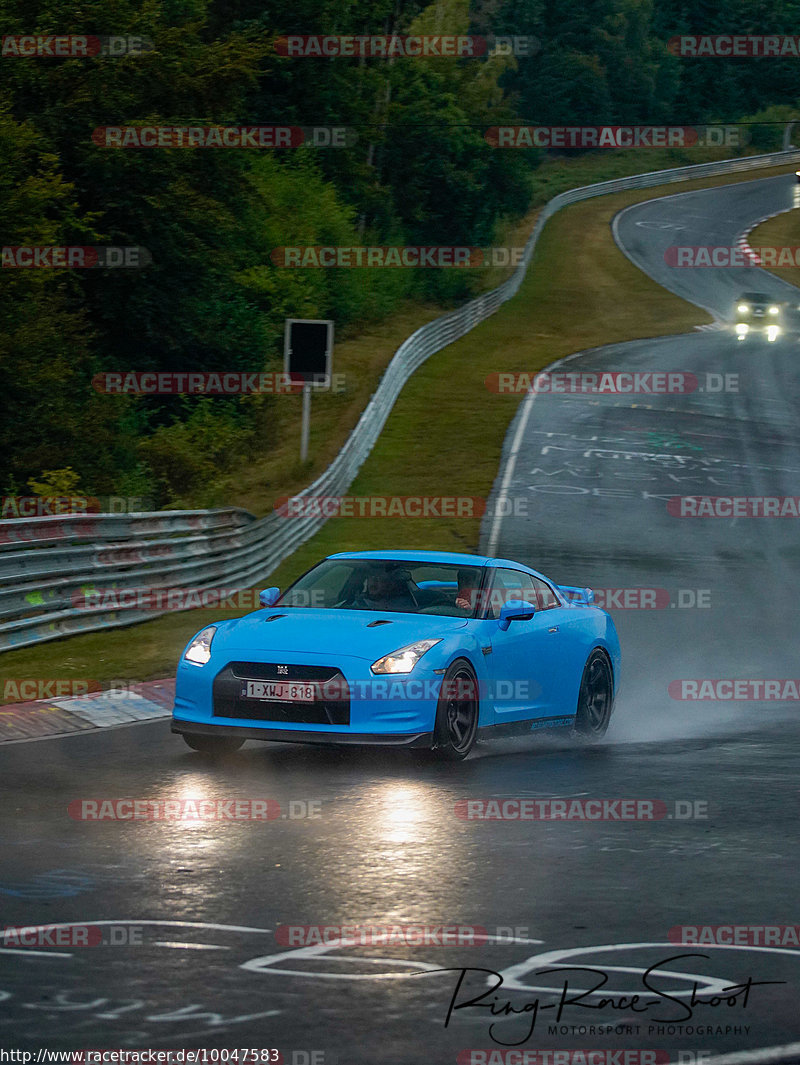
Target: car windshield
[(447, 589)]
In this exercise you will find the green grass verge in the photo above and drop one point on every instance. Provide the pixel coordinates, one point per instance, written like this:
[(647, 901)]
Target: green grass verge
[(782, 231), (360, 359), (446, 432)]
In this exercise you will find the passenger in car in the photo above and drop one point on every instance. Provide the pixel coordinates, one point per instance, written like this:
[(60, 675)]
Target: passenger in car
[(467, 594)]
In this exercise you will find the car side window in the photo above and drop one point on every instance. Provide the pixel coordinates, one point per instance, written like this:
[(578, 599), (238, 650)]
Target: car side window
[(509, 584), (546, 598)]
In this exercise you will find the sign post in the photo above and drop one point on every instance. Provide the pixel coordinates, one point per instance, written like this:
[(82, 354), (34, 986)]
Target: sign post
[(308, 357), (306, 422)]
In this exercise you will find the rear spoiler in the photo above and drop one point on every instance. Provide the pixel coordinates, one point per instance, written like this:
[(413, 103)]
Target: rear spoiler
[(576, 596)]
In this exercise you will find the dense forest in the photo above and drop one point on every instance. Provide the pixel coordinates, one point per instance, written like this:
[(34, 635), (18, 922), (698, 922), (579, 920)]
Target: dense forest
[(416, 169)]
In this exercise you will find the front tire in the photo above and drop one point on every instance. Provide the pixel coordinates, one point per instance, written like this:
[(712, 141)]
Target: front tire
[(457, 713), (596, 698), (215, 745)]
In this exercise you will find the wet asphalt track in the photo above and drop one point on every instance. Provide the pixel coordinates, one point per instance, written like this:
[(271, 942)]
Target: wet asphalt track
[(387, 846)]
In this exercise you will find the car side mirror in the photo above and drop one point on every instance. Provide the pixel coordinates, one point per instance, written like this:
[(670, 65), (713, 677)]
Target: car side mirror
[(269, 596), (515, 610)]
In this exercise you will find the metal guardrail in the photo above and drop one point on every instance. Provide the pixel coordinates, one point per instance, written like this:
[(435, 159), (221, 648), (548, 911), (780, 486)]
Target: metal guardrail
[(47, 564)]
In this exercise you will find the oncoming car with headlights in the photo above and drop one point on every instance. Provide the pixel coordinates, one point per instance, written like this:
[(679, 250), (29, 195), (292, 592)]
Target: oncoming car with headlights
[(421, 649), (757, 313)]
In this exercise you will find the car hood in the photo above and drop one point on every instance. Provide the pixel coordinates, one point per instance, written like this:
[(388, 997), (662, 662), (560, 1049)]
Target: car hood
[(331, 632)]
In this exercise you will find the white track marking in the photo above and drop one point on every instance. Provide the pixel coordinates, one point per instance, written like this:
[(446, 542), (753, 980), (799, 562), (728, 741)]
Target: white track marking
[(557, 959), (125, 920), (763, 1056), (189, 946), (134, 920), (264, 964), (497, 519), (34, 953), (511, 461), (638, 263)]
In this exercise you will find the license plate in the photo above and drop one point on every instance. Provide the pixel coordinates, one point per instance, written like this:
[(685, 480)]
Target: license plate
[(280, 691)]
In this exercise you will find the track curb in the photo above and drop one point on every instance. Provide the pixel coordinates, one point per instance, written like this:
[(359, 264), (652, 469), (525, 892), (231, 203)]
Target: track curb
[(46, 718)]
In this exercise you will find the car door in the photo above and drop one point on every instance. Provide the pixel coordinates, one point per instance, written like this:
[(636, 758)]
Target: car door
[(525, 660), (566, 653)]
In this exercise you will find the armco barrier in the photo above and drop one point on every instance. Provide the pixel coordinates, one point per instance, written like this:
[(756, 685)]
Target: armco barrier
[(45, 561)]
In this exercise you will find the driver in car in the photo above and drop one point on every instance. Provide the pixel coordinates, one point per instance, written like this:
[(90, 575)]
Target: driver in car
[(385, 590)]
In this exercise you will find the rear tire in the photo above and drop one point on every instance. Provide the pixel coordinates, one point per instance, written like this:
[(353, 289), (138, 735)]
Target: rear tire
[(457, 713), (217, 745), (596, 698)]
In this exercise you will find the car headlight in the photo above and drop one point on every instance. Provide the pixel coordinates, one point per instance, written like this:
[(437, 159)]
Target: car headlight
[(743, 308), (773, 310), (199, 650), (404, 659)]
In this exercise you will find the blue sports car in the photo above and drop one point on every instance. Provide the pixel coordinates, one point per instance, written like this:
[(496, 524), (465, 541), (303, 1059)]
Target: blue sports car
[(404, 648)]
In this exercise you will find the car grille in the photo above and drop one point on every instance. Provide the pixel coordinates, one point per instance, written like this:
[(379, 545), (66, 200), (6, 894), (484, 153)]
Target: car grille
[(324, 710)]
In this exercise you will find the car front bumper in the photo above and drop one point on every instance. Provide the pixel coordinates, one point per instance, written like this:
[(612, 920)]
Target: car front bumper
[(395, 710), (282, 735)]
